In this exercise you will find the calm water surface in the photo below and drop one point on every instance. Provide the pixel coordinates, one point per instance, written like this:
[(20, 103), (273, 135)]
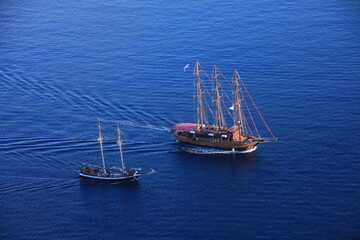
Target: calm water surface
[(63, 64)]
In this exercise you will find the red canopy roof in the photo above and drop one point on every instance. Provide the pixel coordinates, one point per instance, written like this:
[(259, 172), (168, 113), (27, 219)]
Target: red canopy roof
[(186, 127)]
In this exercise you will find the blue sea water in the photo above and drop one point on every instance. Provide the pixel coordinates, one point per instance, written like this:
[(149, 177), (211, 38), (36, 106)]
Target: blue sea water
[(63, 64)]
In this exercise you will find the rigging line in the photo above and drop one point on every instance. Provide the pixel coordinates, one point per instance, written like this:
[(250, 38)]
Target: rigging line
[(247, 107), (205, 99), (222, 115), (210, 78), (246, 125), (106, 135), (212, 113), (227, 109), (212, 100), (202, 70), (234, 117), (199, 92), (225, 94), (230, 83), (195, 111), (257, 109), (194, 102), (206, 90), (212, 83)]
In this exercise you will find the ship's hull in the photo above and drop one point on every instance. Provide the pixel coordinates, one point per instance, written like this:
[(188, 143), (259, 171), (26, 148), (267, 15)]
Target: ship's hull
[(228, 139), (208, 150), (217, 143), (112, 175), (109, 178)]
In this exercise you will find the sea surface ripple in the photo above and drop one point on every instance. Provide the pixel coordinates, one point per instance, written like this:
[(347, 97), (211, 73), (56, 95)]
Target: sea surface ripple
[(62, 65)]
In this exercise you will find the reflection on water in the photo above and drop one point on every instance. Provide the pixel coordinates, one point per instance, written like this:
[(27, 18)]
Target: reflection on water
[(57, 77), (94, 190)]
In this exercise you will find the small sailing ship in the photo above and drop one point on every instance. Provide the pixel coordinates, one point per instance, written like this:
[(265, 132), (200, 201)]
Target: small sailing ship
[(113, 173), (242, 136)]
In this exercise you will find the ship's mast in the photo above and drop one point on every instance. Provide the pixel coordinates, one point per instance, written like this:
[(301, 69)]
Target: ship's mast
[(120, 147), (199, 95), (239, 119), (219, 116), (101, 146)]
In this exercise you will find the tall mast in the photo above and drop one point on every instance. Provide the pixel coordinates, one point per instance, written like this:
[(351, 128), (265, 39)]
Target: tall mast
[(199, 95), (237, 102), (120, 148), (219, 117), (101, 146)]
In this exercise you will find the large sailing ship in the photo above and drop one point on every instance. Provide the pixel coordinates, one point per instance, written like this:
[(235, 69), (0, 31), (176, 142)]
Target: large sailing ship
[(242, 135), (122, 173)]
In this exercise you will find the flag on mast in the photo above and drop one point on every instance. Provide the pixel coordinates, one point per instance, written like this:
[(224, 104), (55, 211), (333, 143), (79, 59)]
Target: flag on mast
[(232, 108)]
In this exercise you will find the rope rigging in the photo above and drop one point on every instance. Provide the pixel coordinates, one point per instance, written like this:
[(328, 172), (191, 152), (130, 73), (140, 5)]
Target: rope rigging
[(240, 106)]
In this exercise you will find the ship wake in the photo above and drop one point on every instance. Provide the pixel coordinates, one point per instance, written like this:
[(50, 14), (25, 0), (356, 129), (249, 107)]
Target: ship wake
[(200, 150)]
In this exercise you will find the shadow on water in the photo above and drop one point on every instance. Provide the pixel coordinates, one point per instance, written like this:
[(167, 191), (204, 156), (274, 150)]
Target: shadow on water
[(110, 200), (97, 192), (96, 186)]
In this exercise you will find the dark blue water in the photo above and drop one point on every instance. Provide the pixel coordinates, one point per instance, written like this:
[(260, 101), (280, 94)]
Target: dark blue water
[(63, 64)]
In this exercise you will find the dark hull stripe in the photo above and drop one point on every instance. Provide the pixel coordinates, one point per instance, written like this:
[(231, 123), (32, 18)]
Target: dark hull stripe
[(220, 145), (216, 147), (109, 179)]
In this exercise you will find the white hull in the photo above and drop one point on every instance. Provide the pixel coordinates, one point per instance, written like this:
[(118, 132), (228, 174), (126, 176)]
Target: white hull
[(120, 178), (116, 177)]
